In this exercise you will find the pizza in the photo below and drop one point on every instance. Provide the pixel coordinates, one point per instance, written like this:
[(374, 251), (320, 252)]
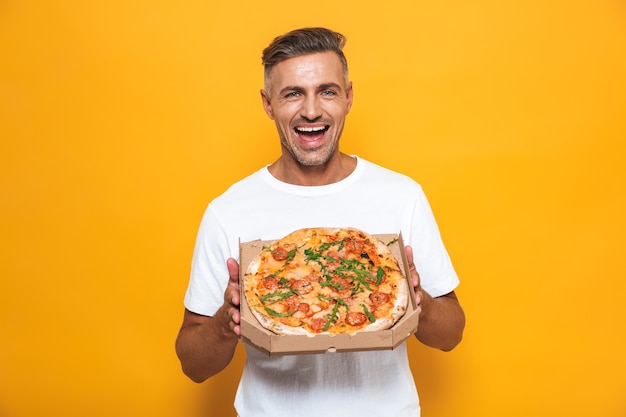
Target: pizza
[(326, 281)]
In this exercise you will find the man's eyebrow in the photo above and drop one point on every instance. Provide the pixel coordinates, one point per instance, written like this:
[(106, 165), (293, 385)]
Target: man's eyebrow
[(290, 88), (326, 86), (321, 87)]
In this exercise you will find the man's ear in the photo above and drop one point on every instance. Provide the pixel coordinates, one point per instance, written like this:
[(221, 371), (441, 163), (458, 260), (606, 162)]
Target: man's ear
[(267, 105), (349, 95)]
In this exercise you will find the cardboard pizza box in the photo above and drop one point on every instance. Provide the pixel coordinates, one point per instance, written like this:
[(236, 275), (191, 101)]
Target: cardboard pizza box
[(271, 343)]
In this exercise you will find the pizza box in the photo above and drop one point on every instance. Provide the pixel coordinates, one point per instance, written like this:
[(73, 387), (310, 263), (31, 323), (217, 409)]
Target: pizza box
[(271, 343)]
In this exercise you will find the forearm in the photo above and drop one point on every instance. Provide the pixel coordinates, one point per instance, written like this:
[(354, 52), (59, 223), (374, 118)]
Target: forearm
[(441, 321), (204, 346)]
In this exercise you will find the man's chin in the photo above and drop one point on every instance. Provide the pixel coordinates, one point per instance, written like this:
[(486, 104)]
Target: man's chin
[(313, 159)]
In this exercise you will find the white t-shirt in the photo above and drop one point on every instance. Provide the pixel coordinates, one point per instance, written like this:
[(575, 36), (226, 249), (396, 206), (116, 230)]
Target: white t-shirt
[(373, 199)]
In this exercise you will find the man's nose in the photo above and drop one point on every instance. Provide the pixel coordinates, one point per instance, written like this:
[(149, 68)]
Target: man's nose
[(311, 108)]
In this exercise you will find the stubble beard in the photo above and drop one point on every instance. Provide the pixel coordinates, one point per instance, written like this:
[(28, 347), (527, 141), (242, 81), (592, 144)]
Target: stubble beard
[(309, 157)]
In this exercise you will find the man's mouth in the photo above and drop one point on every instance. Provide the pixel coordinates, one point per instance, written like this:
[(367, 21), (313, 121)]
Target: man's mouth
[(312, 132)]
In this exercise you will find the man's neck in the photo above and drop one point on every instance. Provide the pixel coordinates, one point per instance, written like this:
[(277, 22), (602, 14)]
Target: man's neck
[(290, 171)]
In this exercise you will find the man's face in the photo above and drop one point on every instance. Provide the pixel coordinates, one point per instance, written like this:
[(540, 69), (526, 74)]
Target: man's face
[(309, 98)]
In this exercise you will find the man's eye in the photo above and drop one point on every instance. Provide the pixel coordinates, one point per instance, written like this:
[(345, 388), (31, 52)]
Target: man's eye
[(328, 93), (292, 94)]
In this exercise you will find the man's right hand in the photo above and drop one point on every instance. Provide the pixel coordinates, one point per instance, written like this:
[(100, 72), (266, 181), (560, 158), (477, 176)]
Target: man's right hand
[(205, 344), (232, 298)]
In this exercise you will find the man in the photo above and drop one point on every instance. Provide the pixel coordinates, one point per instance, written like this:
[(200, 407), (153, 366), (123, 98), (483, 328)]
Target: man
[(308, 95)]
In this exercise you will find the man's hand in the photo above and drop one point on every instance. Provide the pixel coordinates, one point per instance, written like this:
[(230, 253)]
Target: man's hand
[(206, 344), (415, 279), (232, 298), (442, 319)]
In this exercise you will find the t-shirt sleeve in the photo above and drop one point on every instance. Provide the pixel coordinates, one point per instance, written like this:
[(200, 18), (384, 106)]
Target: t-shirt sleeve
[(437, 274), (209, 274)]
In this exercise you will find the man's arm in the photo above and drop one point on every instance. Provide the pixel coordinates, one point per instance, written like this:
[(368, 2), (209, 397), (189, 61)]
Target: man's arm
[(442, 319), (205, 344)]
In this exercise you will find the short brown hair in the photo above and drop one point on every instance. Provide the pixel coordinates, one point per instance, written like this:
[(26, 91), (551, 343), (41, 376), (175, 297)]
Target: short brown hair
[(303, 42)]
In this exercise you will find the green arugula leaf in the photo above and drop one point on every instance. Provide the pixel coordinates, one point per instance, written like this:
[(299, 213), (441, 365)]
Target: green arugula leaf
[(277, 314), (369, 315), (379, 275), (276, 296)]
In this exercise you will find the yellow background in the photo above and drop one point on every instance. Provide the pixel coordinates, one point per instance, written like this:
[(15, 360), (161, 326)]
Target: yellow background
[(120, 120)]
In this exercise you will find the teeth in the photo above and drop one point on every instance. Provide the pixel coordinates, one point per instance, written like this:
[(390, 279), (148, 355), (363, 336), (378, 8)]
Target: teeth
[(311, 129)]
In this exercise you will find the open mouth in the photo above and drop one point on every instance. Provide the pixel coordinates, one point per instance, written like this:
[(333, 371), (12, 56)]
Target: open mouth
[(311, 132)]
